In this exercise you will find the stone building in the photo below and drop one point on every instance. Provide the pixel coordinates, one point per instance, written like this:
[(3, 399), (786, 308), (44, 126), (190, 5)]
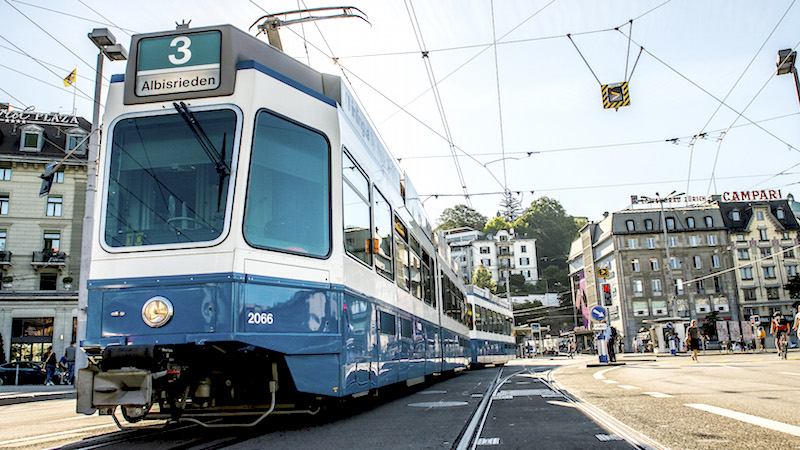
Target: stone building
[(504, 253), (40, 236)]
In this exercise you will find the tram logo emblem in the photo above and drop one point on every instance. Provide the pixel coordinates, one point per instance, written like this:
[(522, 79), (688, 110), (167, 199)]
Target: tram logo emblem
[(175, 64)]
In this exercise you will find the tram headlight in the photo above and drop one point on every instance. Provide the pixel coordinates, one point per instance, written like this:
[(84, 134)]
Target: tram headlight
[(157, 311)]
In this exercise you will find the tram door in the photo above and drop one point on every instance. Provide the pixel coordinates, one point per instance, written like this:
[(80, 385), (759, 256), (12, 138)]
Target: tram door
[(388, 351), (359, 341)]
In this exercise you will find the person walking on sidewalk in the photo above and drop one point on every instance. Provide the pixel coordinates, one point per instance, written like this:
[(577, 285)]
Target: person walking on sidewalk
[(50, 366), (796, 325), (69, 354), (693, 339)]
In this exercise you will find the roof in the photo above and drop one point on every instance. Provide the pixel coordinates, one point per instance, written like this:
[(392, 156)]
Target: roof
[(54, 125), (682, 218), (745, 209)]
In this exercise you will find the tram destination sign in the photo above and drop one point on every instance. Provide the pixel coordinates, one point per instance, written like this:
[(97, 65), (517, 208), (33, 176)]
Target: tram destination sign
[(179, 63)]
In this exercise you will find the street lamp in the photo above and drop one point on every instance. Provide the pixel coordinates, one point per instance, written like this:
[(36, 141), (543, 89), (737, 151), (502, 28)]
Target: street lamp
[(786, 60), (668, 198), (108, 48)]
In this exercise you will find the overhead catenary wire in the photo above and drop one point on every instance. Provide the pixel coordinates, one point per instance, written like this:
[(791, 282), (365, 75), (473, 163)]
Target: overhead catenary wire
[(108, 23)]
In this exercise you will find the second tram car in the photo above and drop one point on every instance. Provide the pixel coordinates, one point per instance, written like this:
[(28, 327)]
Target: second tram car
[(256, 248)]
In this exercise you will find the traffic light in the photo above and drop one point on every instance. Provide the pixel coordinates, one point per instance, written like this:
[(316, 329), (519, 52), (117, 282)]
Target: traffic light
[(607, 294)]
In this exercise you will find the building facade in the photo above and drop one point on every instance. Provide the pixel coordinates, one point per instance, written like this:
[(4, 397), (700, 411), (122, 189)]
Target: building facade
[(505, 253), (652, 267), (40, 236), (764, 244)]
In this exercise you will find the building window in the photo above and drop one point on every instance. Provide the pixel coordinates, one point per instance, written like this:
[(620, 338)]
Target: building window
[(678, 284), (773, 293), (766, 252), (674, 262), (633, 243), (769, 272), (635, 265), (356, 211), (740, 237), (524, 261), (638, 288), (762, 234), (701, 286), (718, 285), (52, 241), (698, 264), (503, 238), (693, 241), (779, 213), (651, 242), (76, 139), (5, 173), (523, 249), (629, 225), (484, 250), (791, 271), (749, 294), (486, 262), (47, 281), (715, 261), (648, 224), (58, 177), (653, 263), (2, 240), (743, 253), (30, 338), (54, 206), (759, 215), (670, 223), (656, 284), (746, 273), (673, 241), (32, 138), (690, 222), (709, 221), (3, 204), (712, 239), (735, 215), (785, 235)]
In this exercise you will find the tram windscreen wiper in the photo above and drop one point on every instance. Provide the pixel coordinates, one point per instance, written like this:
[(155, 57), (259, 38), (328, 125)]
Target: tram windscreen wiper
[(223, 170)]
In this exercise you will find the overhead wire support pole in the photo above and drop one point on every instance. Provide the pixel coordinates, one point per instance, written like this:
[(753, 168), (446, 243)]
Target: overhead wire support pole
[(628, 54)]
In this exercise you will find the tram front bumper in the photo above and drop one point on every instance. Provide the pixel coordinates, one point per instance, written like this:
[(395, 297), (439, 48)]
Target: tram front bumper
[(107, 390)]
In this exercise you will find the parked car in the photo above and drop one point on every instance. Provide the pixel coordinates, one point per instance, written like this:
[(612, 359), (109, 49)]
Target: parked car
[(30, 372)]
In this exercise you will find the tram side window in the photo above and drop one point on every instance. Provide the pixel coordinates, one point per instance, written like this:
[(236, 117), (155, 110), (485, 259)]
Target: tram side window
[(415, 269), (470, 321), (356, 211), (427, 280), (405, 328), (401, 254), (383, 236), (288, 191), (388, 324)]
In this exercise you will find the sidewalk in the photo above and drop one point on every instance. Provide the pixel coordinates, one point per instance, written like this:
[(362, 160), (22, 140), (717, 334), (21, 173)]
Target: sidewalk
[(10, 395)]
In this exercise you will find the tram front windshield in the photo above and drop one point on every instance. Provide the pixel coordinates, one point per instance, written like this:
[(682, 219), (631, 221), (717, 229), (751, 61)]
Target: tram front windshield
[(168, 178)]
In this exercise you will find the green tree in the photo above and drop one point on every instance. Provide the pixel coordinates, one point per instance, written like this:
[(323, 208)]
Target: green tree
[(482, 278), (554, 230), (709, 328), (496, 224), (461, 216), (793, 286)]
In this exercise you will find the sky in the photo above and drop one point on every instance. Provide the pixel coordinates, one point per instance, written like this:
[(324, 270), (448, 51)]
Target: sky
[(517, 82)]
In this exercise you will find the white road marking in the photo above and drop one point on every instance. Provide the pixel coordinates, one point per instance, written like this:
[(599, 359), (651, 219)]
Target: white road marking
[(747, 418), (599, 375), (627, 386), (658, 394), (488, 441), (60, 433), (610, 381), (790, 373)]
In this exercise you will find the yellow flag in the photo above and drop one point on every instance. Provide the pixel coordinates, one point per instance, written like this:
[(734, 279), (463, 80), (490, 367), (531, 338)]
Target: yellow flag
[(71, 78)]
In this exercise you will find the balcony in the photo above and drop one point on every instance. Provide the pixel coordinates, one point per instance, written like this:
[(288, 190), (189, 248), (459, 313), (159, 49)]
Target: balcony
[(49, 258)]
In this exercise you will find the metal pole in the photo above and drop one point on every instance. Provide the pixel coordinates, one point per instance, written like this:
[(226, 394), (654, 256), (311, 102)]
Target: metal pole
[(796, 82), (669, 266), (88, 215)]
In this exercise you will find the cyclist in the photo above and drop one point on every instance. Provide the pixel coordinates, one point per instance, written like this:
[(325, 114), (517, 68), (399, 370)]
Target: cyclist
[(779, 328)]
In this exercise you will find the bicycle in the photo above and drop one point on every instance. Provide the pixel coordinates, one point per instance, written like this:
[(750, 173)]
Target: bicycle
[(783, 345)]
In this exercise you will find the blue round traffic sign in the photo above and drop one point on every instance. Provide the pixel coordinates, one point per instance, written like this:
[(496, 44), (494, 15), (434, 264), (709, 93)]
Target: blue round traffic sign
[(598, 313)]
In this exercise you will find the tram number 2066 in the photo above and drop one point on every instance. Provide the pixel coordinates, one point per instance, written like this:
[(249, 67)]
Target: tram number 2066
[(263, 318)]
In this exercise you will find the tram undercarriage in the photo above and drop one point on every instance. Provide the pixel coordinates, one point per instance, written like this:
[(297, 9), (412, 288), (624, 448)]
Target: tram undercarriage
[(191, 383)]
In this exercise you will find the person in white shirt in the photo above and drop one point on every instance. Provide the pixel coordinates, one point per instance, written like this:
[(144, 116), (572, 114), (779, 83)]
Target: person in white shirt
[(796, 325)]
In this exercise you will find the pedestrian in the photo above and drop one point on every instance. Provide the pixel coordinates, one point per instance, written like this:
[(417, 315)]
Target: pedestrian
[(612, 345), (762, 337), (69, 354), (693, 339), (50, 366)]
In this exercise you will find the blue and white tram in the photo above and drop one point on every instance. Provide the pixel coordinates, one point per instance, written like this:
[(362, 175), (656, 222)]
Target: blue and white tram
[(491, 328), (255, 246)]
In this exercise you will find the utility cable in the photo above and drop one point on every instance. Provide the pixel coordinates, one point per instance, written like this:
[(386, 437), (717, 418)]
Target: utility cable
[(43, 81), (15, 98), (499, 101), (584, 59), (109, 24), (105, 18)]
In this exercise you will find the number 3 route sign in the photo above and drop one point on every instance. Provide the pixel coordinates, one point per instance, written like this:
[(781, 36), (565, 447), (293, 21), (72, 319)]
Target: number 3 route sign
[(174, 64)]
